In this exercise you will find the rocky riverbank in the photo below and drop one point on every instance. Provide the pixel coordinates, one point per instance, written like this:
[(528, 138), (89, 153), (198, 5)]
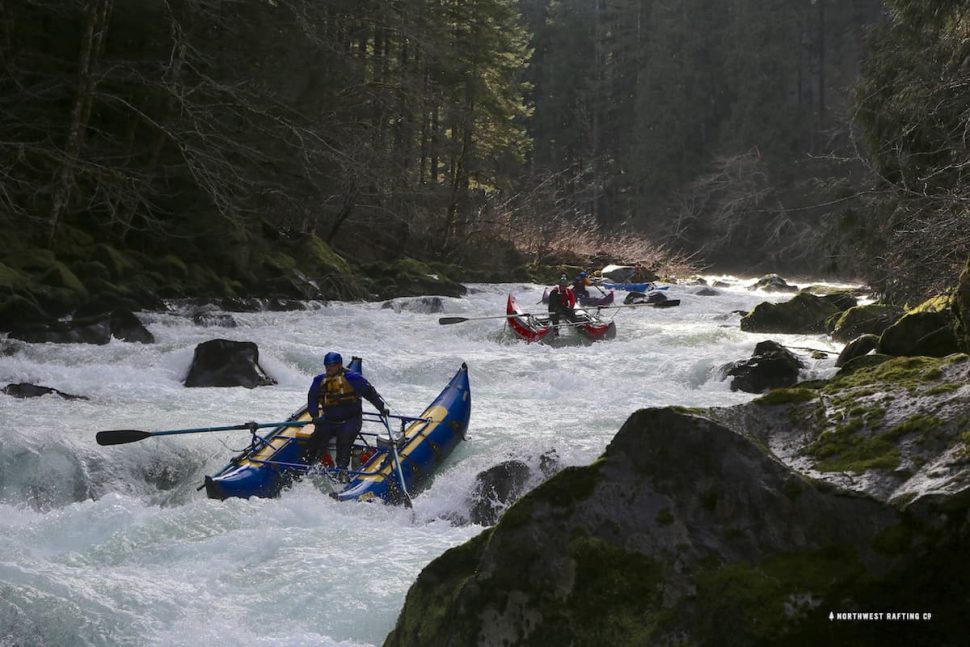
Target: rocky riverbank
[(756, 524)]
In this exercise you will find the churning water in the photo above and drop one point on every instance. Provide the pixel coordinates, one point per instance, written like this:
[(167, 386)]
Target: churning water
[(116, 546)]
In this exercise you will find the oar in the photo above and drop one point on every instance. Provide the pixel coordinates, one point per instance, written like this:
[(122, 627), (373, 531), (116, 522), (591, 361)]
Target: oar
[(397, 463), (669, 303), (122, 436), (444, 321)]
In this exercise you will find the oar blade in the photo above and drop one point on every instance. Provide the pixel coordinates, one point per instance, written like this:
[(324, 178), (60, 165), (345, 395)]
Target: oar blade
[(120, 436), (444, 321)]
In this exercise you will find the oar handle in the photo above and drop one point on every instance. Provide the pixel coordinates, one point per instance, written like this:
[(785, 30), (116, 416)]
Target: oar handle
[(445, 321), (122, 436)]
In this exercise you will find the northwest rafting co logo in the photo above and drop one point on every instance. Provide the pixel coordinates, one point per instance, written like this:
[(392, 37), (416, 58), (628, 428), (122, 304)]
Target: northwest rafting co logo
[(884, 616)]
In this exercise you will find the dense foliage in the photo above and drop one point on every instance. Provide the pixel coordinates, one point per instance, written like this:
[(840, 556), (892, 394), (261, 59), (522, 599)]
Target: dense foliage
[(479, 131), (914, 110), (154, 120)]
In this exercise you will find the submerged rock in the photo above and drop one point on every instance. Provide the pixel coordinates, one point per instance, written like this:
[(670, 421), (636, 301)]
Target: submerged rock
[(27, 390)]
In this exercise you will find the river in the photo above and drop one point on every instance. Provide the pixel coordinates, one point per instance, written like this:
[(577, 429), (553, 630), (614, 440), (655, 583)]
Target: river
[(116, 546)]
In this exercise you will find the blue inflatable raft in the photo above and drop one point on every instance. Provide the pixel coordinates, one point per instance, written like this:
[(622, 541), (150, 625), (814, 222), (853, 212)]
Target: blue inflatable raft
[(389, 461)]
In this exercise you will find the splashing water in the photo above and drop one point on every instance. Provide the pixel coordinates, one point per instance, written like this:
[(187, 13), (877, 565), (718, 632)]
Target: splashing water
[(116, 546)]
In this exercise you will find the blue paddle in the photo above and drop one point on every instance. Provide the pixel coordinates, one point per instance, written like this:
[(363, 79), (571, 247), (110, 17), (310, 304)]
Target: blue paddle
[(122, 436)]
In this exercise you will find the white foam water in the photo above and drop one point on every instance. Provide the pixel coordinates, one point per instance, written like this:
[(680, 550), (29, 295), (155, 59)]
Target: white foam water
[(116, 546)]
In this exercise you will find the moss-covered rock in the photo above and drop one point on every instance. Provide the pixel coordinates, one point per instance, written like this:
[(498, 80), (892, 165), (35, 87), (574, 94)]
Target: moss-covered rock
[(870, 319), (803, 314), (926, 332), (409, 277), (685, 532)]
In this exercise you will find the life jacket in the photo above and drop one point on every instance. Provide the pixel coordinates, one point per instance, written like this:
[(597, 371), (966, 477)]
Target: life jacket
[(337, 391)]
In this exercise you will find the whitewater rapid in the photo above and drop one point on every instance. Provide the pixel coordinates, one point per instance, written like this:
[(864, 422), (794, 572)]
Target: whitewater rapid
[(116, 546)]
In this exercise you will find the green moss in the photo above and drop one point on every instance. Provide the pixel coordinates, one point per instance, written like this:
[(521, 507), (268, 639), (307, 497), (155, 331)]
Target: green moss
[(956, 358), (939, 303), (898, 372), (786, 396), (613, 595), (568, 487), (690, 410), (11, 278), (742, 603), (846, 449), (321, 254), (920, 424)]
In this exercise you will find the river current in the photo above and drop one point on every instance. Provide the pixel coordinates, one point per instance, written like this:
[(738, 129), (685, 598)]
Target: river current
[(116, 546)]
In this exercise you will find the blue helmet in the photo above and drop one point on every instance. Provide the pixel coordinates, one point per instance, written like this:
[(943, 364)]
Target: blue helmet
[(332, 358), (582, 275)]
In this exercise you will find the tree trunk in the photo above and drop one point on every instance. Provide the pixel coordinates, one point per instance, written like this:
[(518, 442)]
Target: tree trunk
[(94, 30)]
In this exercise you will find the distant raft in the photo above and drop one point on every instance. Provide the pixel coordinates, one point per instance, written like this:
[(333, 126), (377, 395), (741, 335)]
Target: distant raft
[(539, 328), (377, 471)]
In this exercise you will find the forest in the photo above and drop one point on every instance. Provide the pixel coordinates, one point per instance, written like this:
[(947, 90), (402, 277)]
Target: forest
[(205, 145)]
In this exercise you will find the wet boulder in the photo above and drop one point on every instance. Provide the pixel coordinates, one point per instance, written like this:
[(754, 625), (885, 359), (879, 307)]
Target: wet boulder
[(421, 305), (861, 345), (126, 327), (213, 319), (770, 366), (805, 314), (27, 390), (495, 489), (921, 333), (773, 283), (223, 362), (860, 320), (93, 330)]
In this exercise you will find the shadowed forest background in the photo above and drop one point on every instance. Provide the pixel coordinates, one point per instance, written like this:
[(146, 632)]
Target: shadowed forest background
[(205, 145)]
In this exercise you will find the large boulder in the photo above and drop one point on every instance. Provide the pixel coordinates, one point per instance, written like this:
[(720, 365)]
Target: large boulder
[(770, 366), (870, 319), (804, 314), (687, 533), (921, 333), (223, 362)]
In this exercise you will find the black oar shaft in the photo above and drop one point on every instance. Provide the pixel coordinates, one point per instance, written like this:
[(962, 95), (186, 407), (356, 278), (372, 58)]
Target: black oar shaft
[(122, 436)]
